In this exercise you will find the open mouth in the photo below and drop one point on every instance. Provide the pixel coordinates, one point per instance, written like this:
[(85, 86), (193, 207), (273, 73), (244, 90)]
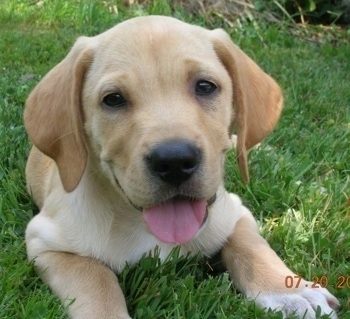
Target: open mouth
[(177, 220)]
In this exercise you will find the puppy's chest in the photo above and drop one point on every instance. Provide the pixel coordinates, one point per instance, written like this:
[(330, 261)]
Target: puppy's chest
[(117, 236)]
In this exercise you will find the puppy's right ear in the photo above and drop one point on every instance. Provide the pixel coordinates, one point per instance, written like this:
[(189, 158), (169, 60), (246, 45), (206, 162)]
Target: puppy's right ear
[(257, 98), (53, 115)]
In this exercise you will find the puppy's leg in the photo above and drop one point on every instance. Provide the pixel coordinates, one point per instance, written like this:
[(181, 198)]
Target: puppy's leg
[(93, 286), (260, 274)]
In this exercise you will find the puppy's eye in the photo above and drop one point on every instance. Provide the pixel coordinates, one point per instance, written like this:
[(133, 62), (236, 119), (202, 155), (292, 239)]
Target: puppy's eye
[(205, 88), (114, 100)]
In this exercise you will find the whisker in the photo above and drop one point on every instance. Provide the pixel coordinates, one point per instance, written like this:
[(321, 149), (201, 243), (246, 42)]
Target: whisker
[(65, 135)]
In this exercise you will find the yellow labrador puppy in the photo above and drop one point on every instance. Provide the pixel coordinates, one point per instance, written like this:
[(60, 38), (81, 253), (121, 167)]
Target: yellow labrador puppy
[(130, 133)]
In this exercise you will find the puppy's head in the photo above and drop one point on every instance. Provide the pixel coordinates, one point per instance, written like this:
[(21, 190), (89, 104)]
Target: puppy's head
[(152, 103)]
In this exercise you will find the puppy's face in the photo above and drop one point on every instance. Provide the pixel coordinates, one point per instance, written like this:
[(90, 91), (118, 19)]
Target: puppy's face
[(157, 103)]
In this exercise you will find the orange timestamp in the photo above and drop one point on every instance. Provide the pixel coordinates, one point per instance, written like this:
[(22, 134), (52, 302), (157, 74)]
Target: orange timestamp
[(343, 281)]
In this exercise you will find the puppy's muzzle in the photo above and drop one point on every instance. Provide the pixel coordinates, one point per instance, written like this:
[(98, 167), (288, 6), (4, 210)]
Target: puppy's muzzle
[(174, 161)]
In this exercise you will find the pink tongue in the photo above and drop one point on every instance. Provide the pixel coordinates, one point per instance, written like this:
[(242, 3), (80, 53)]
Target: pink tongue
[(175, 221)]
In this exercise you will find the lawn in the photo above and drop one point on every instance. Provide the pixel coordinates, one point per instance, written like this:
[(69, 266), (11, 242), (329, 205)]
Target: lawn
[(300, 176)]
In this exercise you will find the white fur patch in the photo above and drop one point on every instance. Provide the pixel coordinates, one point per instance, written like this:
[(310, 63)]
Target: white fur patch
[(302, 304)]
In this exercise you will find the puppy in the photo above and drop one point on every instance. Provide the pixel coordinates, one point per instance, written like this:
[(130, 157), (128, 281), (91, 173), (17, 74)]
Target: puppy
[(130, 133)]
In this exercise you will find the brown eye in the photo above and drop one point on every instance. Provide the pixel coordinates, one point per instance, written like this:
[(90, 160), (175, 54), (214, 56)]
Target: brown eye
[(205, 88), (114, 100)]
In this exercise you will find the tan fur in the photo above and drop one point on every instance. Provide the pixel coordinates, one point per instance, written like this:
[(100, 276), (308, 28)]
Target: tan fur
[(99, 298), (87, 170), (56, 105), (250, 260)]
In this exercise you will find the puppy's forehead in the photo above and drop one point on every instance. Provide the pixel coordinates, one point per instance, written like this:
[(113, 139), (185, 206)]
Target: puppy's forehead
[(153, 37)]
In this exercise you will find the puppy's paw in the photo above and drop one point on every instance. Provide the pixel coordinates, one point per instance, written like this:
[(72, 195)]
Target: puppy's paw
[(301, 304)]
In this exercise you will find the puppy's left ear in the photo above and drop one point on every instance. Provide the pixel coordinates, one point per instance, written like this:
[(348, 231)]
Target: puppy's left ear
[(257, 99)]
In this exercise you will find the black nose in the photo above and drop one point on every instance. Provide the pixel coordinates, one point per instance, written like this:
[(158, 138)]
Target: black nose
[(174, 161)]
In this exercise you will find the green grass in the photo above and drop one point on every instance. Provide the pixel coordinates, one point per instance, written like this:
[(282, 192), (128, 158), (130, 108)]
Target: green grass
[(300, 176)]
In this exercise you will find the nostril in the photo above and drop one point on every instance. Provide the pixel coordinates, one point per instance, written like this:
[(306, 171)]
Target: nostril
[(189, 165)]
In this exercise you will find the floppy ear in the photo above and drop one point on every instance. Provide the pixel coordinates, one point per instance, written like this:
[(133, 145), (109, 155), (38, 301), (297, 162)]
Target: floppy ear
[(257, 99), (53, 115)]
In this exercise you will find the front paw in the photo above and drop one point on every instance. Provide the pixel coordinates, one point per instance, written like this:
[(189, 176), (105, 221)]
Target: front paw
[(302, 303)]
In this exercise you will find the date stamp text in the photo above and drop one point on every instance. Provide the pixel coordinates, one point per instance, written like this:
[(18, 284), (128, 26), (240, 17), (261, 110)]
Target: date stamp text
[(342, 282)]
